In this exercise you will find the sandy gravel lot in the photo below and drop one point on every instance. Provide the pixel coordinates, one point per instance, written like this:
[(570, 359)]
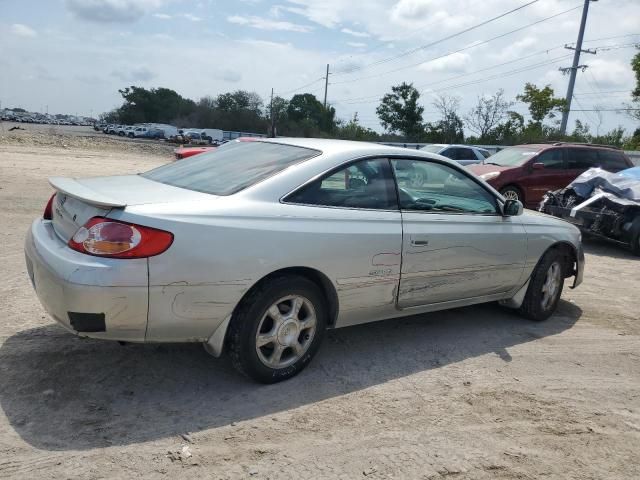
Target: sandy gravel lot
[(472, 393)]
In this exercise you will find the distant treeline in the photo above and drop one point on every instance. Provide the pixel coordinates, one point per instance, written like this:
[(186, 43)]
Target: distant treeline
[(492, 120)]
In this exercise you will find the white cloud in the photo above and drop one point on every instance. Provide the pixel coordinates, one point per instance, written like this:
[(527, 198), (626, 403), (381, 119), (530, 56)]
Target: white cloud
[(606, 74), (517, 49), (357, 44), (23, 31), (111, 11), (228, 75), (355, 33), (266, 24), (456, 63), (191, 17), (162, 16), (137, 74)]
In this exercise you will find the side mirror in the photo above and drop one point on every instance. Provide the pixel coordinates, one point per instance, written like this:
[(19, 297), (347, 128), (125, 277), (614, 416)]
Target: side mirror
[(512, 208), (538, 166)]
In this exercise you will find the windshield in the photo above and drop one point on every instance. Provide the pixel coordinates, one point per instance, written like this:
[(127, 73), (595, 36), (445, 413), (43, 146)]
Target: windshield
[(510, 157), (229, 169), (432, 148)]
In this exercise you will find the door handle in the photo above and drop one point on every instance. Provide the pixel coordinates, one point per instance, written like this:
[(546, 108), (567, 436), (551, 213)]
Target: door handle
[(419, 243)]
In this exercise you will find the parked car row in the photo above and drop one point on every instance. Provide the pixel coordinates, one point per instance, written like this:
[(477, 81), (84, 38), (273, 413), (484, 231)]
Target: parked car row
[(193, 136)]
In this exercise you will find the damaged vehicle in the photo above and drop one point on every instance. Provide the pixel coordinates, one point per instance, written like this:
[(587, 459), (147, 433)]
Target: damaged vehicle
[(601, 204), (259, 247)]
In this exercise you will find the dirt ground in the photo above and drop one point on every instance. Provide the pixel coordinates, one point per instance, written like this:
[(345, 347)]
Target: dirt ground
[(473, 393)]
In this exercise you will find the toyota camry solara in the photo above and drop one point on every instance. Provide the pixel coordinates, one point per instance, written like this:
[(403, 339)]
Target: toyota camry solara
[(257, 248)]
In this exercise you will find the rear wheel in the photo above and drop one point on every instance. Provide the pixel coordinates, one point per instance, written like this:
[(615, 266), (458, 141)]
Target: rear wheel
[(277, 328), (545, 287), (512, 193), (635, 236)]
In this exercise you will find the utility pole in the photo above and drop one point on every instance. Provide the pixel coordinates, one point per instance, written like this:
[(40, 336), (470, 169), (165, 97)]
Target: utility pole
[(326, 84), (273, 118), (576, 65)]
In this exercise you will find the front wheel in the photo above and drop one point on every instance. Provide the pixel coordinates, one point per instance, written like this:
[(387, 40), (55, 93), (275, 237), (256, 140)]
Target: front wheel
[(512, 193), (277, 328), (545, 287)]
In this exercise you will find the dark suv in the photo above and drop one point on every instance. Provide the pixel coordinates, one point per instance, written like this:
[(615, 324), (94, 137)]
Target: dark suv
[(527, 172)]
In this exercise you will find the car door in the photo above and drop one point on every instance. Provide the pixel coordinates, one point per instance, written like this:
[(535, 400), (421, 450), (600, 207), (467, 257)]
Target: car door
[(551, 175), (579, 160), (355, 236), (456, 245)]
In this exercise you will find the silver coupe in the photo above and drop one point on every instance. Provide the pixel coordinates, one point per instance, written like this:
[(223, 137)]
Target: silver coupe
[(259, 247)]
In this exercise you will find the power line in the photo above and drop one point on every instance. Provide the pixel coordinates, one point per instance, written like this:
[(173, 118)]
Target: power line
[(467, 74), (475, 82), (449, 37), (602, 92), (474, 45), (300, 88)]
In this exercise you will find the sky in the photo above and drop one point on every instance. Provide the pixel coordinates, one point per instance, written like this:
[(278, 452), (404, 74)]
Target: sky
[(72, 56)]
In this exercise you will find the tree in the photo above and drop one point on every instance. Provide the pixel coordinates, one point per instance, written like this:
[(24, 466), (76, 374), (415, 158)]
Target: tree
[(307, 110), (399, 111), (161, 105), (542, 103), (509, 132), (449, 129), (239, 100), (279, 114), (352, 130), (488, 113), (635, 93)]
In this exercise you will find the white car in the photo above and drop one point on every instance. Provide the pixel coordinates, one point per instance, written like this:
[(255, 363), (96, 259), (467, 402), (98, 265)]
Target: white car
[(259, 246), (463, 154)]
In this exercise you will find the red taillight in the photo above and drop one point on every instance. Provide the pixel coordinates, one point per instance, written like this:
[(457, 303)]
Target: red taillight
[(104, 237), (48, 210)]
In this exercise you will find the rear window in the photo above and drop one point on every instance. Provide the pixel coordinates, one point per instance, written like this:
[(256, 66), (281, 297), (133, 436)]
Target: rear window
[(231, 168), (612, 160)]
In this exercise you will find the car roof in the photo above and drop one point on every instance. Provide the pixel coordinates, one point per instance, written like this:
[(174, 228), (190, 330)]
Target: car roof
[(544, 146), (330, 146)]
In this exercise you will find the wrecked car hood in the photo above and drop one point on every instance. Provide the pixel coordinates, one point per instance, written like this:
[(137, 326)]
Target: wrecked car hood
[(624, 184)]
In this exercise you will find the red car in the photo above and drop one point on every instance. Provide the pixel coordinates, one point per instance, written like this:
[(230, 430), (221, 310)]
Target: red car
[(184, 152), (527, 172)]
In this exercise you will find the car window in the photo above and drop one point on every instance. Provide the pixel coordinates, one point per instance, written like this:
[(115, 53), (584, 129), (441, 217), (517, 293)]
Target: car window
[(228, 170), (441, 189), (364, 184), (449, 153), (465, 154), (582, 158), (485, 153), (551, 159), (612, 160)]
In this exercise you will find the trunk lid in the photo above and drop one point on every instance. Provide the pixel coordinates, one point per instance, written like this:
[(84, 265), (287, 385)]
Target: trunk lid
[(78, 200)]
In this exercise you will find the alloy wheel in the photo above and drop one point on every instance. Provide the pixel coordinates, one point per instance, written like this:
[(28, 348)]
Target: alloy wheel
[(286, 331), (551, 285)]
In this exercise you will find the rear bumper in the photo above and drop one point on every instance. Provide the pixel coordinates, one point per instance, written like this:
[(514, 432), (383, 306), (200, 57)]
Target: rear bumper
[(89, 296)]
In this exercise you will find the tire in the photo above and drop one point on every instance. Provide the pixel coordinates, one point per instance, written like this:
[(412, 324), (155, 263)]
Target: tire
[(121, 134), (538, 303), (635, 236), (254, 318), (512, 193)]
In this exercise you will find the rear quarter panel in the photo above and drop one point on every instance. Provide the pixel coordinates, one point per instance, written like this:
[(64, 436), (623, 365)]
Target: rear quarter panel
[(219, 253)]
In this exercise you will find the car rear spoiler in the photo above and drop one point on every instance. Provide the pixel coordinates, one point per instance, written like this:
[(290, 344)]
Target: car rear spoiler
[(75, 189)]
